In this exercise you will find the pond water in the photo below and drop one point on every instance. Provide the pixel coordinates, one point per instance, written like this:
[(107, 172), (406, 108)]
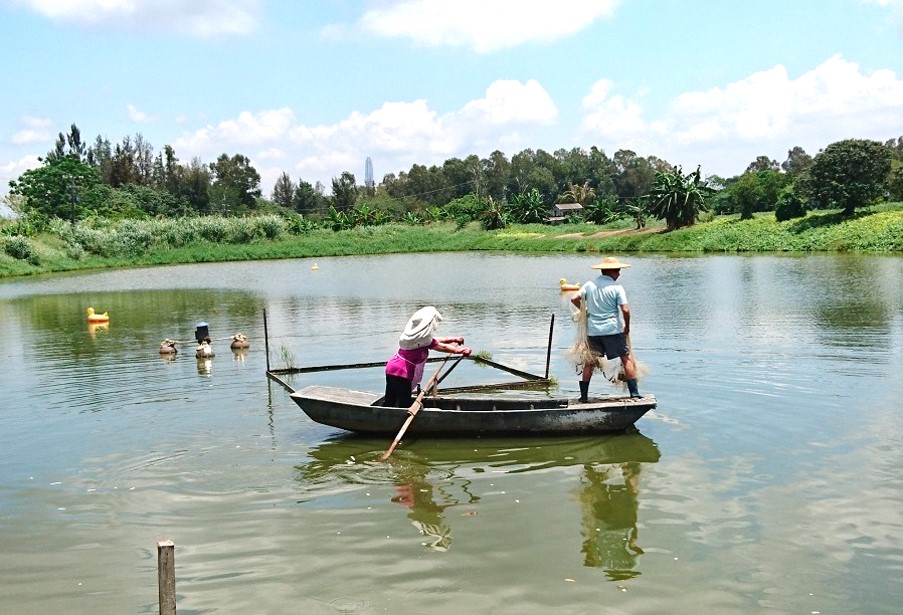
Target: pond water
[(768, 478)]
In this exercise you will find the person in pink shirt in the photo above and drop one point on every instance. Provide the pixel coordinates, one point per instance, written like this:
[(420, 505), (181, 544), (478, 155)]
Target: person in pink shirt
[(404, 371)]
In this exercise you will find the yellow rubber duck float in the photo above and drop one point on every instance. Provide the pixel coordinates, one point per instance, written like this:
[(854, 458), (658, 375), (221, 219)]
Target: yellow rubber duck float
[(565, 287), (95, 317)]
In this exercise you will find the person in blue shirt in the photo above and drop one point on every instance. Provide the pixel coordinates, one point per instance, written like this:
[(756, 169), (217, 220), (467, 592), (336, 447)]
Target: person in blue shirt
[(607, 322)]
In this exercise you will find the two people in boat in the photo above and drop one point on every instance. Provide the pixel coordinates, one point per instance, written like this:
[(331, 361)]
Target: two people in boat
[(404, 370), (607, 322)]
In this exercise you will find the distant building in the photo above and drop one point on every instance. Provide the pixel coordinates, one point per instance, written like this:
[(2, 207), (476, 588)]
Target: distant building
[(368, 174), (561, 210)]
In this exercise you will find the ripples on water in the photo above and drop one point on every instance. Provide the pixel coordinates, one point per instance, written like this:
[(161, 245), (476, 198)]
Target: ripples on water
[(767, 478)]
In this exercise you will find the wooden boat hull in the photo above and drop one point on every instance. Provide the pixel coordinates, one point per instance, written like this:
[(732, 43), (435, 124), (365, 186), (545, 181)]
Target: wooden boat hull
[(452, 416)]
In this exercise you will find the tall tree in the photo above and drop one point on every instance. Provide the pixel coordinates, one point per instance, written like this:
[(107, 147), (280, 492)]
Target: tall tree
[(236, 182), (849, 174), (344, 191), (100, 156), (495, 170), (762, 163), (307, 199), (284, 191), (798, 161), (635, 175), (195, 181), (122, 165), (55, 189)]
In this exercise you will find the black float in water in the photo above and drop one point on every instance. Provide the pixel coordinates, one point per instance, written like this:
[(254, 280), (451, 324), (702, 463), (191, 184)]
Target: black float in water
[(201, 332)]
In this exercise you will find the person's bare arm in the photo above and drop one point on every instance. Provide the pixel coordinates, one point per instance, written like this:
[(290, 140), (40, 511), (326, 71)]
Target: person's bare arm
[(452, 348), (625, 311)]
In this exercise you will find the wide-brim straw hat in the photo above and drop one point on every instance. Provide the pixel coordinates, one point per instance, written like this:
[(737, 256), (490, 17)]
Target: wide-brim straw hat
[(610, 262), (420, 328)]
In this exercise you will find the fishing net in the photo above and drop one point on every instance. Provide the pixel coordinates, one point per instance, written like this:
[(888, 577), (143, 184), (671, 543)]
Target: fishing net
[(580, 354)]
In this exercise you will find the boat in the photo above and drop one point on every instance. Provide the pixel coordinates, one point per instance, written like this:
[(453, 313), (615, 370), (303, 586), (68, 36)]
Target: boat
[(452, 415)]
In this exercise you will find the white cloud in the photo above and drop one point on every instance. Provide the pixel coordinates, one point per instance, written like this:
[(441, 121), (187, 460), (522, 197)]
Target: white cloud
[(205, 18), (34, 130), (396, 135), (14, 168), (136, 114), (766, 113), (483, 26)]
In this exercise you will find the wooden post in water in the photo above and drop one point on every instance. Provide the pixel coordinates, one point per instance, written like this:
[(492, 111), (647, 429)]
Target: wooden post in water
[(266, 339), (166, 576), (549, 350)]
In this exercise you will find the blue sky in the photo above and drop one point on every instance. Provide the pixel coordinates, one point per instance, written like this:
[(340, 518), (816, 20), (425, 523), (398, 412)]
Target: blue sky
[(313, 87)]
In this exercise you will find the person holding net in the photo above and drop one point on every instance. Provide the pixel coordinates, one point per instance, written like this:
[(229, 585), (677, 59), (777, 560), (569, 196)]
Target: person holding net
[(604, 302)]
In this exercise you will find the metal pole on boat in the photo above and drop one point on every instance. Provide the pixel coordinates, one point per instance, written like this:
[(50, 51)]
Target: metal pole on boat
[(549, 349), (266, 339)]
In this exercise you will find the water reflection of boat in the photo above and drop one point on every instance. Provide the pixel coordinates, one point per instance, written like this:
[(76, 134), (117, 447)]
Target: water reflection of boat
[(513, 455), (434, 475)]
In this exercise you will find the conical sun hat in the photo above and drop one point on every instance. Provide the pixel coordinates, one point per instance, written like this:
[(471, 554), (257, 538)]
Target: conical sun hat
[(610, 262), (420, 328)]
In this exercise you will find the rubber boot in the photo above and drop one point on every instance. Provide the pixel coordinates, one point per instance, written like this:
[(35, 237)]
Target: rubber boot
[(633, 388), (584, 391)]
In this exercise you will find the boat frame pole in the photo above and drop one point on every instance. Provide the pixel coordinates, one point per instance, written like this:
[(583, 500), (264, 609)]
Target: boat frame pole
[(266, 339), (549, 349)]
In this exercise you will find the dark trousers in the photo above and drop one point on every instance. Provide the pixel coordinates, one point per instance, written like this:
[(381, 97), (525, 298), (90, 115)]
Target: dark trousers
[(398, 392)]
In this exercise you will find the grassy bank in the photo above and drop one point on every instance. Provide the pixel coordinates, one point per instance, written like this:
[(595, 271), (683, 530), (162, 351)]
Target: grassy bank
[(131, 243)]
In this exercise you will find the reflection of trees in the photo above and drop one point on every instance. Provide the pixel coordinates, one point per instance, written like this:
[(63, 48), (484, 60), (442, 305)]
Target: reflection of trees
[(609, 519)]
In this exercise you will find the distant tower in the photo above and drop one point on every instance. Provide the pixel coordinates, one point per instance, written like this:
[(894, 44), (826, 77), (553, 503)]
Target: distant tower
[(368, 174)]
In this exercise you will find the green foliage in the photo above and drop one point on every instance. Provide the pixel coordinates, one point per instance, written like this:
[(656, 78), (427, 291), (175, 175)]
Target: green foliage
[(26, 225), (677, 198), (306, 199), (527, 207), (601, 211), (19, 247), (746, 194), (297, 224), (494, 215), (464, 209), (789, 206), (54, 189), (236, 185), (344, 191), (895, 181), (636, 209), (338, 220), (849, 174)]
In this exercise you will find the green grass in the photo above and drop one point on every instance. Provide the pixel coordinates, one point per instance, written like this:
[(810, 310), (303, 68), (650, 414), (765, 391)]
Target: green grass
[(103, 244)]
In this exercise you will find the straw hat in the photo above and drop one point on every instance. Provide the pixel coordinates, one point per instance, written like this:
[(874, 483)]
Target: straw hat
[(420, 328), (610, 262)]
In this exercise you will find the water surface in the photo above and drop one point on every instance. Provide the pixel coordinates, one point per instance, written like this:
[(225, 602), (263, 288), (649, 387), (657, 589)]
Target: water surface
[(767, 479)]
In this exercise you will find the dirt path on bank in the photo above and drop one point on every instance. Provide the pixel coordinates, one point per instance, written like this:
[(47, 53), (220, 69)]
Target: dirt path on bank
[(614, 233)]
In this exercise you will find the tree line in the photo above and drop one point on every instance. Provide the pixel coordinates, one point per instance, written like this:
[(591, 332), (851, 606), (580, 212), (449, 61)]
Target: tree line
[(128, 180)]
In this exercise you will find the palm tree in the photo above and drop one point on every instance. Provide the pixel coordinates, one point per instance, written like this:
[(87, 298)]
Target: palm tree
[(677, 198), (578, 194)]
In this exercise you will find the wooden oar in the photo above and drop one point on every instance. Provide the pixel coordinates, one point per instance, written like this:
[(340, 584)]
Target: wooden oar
[(415, 407)]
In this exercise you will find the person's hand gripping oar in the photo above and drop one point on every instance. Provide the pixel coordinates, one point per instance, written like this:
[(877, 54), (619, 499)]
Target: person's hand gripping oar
[(431, 385)]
